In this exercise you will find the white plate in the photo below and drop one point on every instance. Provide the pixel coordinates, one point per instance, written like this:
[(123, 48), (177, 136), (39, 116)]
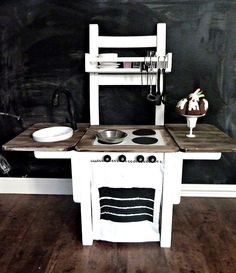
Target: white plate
[(108, 55), (108, 66), (108, 63), (53, 134)]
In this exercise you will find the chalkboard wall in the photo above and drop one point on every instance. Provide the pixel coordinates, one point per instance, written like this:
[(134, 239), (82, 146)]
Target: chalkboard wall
[(43, 43)]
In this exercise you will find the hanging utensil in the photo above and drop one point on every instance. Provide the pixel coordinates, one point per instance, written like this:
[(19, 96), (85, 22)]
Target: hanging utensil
[(156, 98), (164, 96), (149, 67), (150, 96), (163, 79), (158, 88)]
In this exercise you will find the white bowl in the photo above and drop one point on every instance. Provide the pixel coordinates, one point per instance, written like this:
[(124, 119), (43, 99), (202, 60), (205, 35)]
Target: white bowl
[(53, 134)]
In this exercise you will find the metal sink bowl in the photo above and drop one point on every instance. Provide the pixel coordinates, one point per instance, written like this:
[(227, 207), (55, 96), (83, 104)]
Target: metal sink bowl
[(53, 134), (111, 136)]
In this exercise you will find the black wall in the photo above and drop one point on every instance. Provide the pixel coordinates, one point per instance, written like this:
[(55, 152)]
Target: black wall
[(43, 44)]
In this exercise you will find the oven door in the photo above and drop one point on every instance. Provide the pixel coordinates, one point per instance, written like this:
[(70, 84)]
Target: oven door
[(126, 201)]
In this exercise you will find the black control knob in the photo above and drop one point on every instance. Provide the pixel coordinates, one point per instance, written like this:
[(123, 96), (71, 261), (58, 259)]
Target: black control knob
[(151, 159), (122, 158), (107, 158), (140, 158)]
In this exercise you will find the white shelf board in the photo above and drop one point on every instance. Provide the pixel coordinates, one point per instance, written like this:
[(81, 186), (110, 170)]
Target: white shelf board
[(122, 71)]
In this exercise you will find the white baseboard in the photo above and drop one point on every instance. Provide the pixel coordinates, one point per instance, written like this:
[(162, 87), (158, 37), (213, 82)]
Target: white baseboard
[(208, 190), (61, 186), (22, 185)]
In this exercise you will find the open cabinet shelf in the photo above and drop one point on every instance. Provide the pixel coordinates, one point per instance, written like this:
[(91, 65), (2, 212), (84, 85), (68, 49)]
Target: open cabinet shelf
[(155, 64), (92, 64)]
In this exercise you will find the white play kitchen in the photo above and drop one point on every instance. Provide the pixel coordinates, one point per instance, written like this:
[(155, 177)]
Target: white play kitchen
[(128, 177)]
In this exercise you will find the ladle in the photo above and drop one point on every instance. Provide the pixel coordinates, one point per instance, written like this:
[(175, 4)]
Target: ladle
[(157, 97)]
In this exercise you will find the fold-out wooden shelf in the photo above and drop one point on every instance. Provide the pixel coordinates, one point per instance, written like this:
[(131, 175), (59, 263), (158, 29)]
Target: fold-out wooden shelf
[(208, 138), (25, 142)]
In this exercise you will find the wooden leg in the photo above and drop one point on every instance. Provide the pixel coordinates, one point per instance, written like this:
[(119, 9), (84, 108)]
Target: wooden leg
[(82, 192), (166, 224), (177, 172), (168, 197)]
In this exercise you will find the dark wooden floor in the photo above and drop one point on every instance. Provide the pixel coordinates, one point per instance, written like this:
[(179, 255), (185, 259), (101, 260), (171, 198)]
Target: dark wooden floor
[(42, 234)]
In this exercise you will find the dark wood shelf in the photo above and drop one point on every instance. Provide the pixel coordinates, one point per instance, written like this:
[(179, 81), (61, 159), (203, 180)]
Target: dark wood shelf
[(208, 138), (25, 142)]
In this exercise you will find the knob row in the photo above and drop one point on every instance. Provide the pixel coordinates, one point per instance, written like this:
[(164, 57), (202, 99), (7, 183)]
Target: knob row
[(139, 158)]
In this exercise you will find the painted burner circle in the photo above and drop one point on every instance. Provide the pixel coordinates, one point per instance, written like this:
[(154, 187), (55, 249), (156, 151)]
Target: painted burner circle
[(144, 132), (145, 140)]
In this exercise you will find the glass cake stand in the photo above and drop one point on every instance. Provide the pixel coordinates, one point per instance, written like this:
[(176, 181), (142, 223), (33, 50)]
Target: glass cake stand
[(191, 123)]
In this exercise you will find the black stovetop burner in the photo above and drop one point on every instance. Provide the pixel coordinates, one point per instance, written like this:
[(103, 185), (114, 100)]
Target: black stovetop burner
[(144, 132), (145, 140), (144, 136)]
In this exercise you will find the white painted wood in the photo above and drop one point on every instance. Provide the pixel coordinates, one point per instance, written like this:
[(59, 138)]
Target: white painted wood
[(93, 69), (97, 59), (169, 62), (200, 156), (118, 77), (63, 186), (24, 185), (116, 175), (178, 169), (161, 39), (208, 190), (76, 182), (91, 58), (160, 114), (176, 173), (94, 99), (161, 52), (53, 155), (127, 41), (168, 195), (91, 62), (81, 179)]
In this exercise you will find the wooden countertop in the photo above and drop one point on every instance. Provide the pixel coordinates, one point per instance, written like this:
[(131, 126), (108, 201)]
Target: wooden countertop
[(86, 142), (208, 138), (25, 142)]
